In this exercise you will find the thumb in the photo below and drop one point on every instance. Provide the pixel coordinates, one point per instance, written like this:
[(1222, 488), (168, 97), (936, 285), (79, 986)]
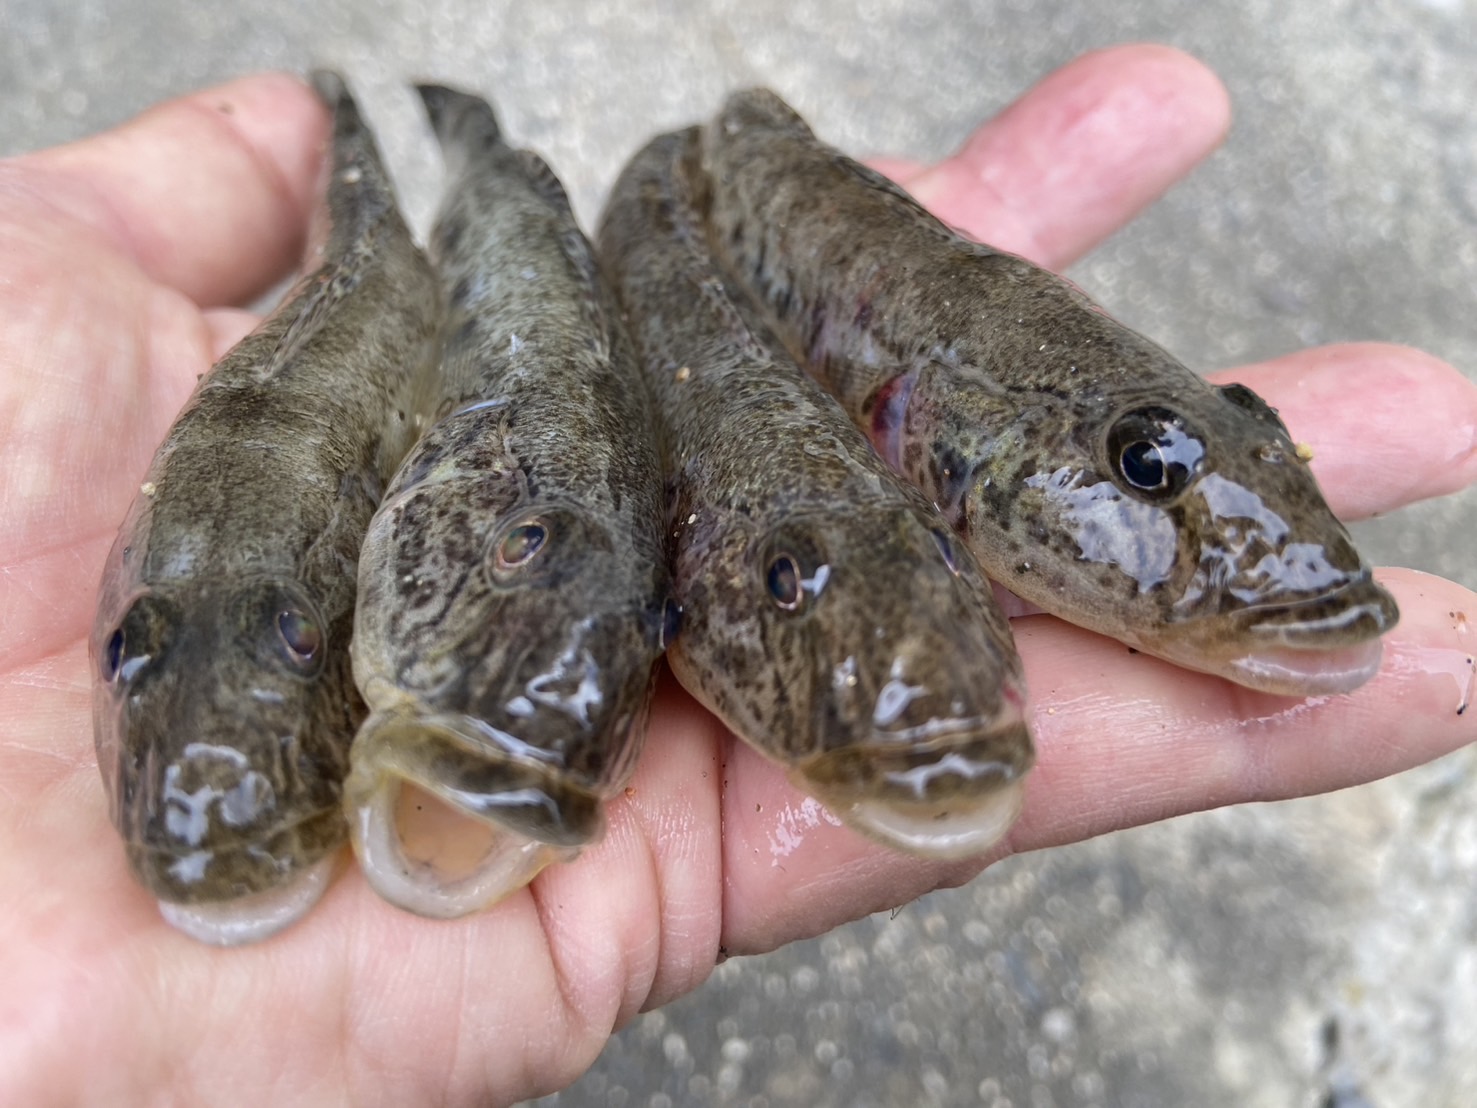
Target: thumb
[(209, 194)]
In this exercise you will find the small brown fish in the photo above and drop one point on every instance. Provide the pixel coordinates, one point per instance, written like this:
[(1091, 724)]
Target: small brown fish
[(223, 706), (1092, 473), (829, 618), (513, 587)]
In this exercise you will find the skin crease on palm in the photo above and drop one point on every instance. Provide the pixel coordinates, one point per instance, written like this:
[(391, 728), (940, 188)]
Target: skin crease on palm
[(121, 256)]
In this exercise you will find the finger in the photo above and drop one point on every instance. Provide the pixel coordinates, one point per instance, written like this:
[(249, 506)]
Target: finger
[(209, 194), (1081, 153), (1182, 742), (227, 327), (1179, 742), (1325, 396)]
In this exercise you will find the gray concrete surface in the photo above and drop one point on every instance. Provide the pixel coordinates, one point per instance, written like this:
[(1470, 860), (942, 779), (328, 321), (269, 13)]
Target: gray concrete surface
[(1319, 953)]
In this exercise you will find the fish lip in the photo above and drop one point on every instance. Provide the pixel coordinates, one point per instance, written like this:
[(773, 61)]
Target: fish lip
[(478, 734), (1310, 625), (155, 864), (517, 850), (940, 734), (1317, 646), (258, 915), (1299, 672), (973, 748), (544, 772), (901, 796)]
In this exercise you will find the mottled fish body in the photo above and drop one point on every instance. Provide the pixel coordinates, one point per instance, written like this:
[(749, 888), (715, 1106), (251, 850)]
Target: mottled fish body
[(513, 587), (223, 705), (829, 618), (1092, 473)]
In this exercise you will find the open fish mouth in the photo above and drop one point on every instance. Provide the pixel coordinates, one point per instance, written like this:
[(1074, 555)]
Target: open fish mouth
[(952, 796), (449, 815)]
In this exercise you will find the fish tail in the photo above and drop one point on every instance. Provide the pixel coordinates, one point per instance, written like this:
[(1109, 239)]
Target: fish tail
[(459, 118), (349, 130), (329, 85), (761, 107), (357, 191)]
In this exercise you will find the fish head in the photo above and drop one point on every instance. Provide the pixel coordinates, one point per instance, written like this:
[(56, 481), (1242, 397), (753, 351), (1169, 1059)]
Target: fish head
[(531, 618), (863, 650), (525, 633), (1191, 526), (222, 716), (510, 687)]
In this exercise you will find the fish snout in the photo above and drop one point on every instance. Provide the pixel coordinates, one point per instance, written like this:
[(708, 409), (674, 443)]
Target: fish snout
[(1329, 644), (230, 855), (1359, 611), (449, 814), (938, 768)]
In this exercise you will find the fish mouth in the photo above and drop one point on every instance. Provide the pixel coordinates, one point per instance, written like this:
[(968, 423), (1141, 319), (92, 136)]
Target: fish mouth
[(953, 794), (449, 815), (1319, 647), (1357, 612), (246, 890), (1323, 646), (255, 916)]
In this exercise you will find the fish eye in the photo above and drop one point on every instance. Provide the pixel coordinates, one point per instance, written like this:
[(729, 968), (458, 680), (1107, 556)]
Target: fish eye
[(113, 655), (1143, 466), (520, 545), (783, 580), (300, 634), (277, 621), (141, 636), (1153, 454), (541, 546), (946, 548)]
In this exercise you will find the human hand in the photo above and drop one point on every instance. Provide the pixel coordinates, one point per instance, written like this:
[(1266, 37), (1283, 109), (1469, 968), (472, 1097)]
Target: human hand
[(121, 258)]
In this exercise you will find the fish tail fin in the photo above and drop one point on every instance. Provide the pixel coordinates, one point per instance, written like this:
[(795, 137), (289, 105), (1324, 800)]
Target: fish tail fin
[(350, 133), (459, 118), (355, 186), (330, 87)]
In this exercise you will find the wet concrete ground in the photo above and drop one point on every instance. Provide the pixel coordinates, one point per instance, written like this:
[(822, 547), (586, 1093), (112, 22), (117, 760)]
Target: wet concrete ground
[(1319, 952)]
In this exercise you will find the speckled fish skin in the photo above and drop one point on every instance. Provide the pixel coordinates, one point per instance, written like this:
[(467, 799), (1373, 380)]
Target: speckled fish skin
[(1092, 473), (513, 682), (223, 706), (828, 617)]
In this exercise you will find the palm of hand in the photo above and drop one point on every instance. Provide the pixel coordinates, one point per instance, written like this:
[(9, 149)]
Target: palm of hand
[(113, 265)]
